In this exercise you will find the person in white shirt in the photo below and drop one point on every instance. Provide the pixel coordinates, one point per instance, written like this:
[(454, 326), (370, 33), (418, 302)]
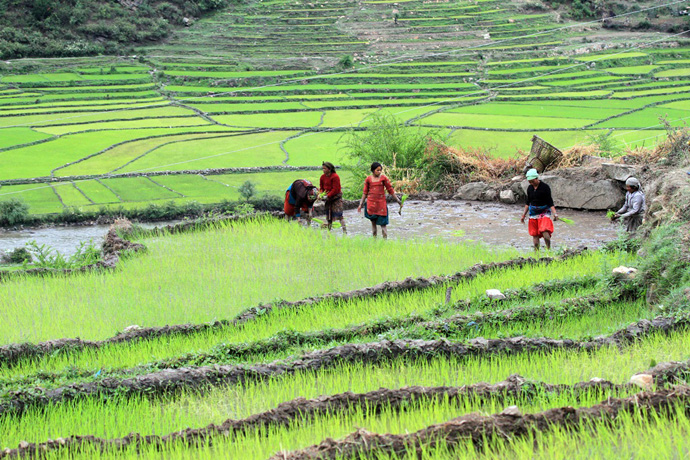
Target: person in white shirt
[(633, 210)]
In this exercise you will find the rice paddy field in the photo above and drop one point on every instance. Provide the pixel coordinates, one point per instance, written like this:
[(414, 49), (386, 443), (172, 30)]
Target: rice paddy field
[(257, 338), (275, 84), (224, 362)]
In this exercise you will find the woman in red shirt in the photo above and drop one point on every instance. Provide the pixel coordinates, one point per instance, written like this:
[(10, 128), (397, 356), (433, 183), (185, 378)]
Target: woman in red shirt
[(330, 185), (375, 208)]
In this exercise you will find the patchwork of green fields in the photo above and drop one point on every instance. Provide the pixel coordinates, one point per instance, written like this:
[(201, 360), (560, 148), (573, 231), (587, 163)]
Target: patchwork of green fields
[(268, 88)]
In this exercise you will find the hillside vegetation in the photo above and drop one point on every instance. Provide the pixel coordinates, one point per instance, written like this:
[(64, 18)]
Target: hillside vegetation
[(87, 27)]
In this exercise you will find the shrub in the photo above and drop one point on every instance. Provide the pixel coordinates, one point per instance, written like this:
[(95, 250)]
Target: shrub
[(13, 212), (388, 141), (346, 62), (47, 257), (247, 190), (16, 256), (445, 167)]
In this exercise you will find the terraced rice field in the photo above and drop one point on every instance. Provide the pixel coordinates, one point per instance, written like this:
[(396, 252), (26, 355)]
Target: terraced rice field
[(228, 363), (260, 85)]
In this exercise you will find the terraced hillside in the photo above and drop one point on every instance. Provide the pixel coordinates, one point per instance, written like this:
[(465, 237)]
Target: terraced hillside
[(226, 362), (273, 85)]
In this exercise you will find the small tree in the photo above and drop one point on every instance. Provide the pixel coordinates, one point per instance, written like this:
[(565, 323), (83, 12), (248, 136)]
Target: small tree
[(247, 190), (13, 212), (346, 62)]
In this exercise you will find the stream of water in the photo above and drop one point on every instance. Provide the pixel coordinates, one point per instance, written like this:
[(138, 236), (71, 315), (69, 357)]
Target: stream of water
[(492, 223)]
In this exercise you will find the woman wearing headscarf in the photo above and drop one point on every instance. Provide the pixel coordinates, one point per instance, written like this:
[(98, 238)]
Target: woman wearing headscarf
[(632, 211), (375, 207), (329, 183), (539, 205), (299, 198)]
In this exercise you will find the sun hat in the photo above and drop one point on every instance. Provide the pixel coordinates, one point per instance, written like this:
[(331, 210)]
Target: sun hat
[(532, 174), (632, 182)]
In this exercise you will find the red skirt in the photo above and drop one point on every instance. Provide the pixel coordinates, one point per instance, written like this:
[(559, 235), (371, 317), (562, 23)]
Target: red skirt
[(291, 210), (539, 226)]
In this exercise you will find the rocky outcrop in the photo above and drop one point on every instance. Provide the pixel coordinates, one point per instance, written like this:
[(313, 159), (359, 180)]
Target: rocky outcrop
[(593, 195), (476, 191), (619, 172)]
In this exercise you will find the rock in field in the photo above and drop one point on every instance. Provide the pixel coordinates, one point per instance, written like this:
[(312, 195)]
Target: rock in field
[(495, 294)]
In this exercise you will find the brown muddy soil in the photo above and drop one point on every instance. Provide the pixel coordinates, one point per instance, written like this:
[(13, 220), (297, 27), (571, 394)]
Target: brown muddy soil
[(492, 223), (509, 424)]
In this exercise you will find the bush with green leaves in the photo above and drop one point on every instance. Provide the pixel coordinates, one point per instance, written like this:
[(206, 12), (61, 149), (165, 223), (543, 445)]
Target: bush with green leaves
[(13, 212), (247, 190), (16, 256), (45, 256), (388, 141)]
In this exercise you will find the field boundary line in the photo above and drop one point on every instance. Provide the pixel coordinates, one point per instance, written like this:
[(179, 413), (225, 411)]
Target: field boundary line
[(209, 172), (158, 184), (171, 381), (82, 192), (509, 424)]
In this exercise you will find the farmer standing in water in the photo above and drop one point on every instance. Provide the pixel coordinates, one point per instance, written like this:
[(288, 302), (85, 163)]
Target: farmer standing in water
[(539, 205), (299, 198), (329, 183), (375, 207)]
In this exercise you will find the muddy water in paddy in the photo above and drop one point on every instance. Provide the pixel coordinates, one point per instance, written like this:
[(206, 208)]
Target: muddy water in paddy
[(491, 223), (63, 239)]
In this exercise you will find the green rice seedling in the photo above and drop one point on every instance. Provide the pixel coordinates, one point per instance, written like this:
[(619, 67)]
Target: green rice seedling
[(205, 264), (566, 220), (324, 315), (117, 417)]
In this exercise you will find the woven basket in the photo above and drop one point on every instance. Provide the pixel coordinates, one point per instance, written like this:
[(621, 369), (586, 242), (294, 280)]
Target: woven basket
[(542, 155)]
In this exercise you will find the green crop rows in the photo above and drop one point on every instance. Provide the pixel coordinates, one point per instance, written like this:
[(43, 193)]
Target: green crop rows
[(216, 273), (264, 85)]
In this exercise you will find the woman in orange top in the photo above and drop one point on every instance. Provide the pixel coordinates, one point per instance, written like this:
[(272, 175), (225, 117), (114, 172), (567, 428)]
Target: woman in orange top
[(375, 207)]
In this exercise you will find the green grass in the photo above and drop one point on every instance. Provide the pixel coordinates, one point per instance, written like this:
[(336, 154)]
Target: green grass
[(97, 192), (673, 73), (335, 315), (40, 197), (119, 155), (315, 148), (90, 117), (261, 149), (10, 137), (138, 189), (217, 273), (306, 119), (69, 194), (540, 109), (645, 118), (504, 121)]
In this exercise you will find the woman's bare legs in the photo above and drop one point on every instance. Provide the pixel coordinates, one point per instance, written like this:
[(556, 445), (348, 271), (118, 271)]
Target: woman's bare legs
[(384, 232), (373, 228), (547, 239), (342, 222), (535, 240)]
